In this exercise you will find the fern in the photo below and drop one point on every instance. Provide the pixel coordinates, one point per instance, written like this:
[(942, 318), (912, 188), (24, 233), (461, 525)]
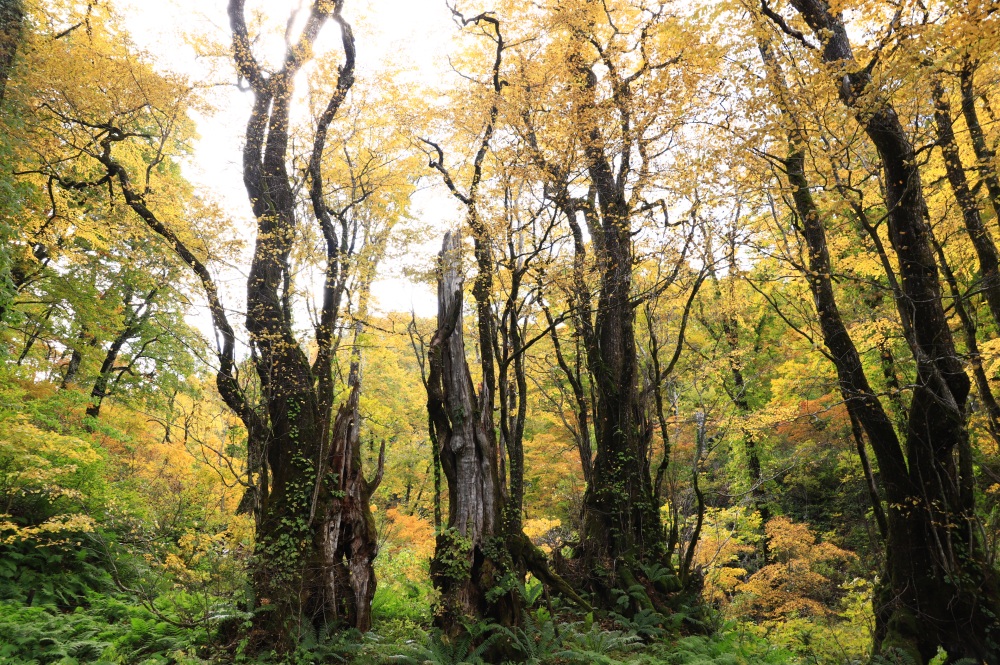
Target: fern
[(468, 649), (329, 644), (730, 648), (647, 624), (538, 640), (34, 635), (656, 573), (596, 645)]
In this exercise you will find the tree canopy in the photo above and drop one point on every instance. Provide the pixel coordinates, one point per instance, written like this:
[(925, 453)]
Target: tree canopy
[(701, 366)]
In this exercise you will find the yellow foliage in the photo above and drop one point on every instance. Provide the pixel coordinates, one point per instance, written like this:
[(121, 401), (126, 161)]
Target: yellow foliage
[(60, 525), (727, 535), (43, 467), (536, 529)]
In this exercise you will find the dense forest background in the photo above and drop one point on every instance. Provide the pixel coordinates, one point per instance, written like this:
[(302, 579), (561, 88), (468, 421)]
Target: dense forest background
[(709, 377)]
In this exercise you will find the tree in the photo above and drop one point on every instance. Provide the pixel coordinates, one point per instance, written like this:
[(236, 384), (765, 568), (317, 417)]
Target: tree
[(314, 534), (615, 109), (471, 554), (486, 480), (931, 597)]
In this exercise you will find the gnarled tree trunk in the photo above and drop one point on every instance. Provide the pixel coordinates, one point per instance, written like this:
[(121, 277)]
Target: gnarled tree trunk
[(344, 527), (470, 555), (315, 539), (302, 572)]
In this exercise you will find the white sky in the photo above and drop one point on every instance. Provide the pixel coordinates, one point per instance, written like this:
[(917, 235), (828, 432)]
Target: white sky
[(402, 33)]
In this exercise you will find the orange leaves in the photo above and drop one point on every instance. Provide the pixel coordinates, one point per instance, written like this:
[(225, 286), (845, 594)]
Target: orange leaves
[(801, 578), (408, 532)]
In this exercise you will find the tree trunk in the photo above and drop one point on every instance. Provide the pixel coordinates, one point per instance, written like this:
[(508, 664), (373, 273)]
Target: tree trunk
[(83, 338), (11, 26), (621, 518), (344, 527), (470, 555), (938, 590), (985, 157), (310, 480), (100, 389), (135, 318), (573, 376), (513, 393), (730, 328), (986, 250)]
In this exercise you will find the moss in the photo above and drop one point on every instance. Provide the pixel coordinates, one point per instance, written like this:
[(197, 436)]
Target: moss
[(902, 639)]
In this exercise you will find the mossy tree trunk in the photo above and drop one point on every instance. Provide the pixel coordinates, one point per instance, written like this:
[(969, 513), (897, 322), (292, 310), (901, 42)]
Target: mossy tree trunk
[(314, 533), (315, 536), (345, 528)]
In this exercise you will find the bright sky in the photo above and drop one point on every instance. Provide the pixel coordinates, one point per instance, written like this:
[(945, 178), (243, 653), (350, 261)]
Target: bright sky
[(403, 33)]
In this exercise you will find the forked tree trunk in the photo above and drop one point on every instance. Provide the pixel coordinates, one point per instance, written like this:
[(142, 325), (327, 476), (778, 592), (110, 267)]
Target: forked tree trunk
[(302, 573), (938, 591), (100, 389), (135, 319), (312, 465), (621, 523)]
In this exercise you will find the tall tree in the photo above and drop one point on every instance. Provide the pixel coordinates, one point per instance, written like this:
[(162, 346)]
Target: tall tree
[(294, 550), (315, 540), (939, 591), (485, 511)]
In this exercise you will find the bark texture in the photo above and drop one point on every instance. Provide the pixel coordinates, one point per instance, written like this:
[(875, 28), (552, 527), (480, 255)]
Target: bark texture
[(471, 554), (345, 529)]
